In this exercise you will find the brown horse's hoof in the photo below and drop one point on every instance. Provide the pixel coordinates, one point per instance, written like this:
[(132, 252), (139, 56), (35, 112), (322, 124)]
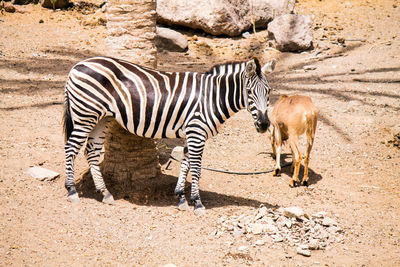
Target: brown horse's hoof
[(294, 183), (276, 172)]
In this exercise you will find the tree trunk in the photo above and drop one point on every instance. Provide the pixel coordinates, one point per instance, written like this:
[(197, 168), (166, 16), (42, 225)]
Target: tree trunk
[(130, 160)]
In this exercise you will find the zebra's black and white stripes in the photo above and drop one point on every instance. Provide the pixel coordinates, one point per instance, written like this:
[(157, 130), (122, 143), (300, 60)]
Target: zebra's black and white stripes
[(157, 104)]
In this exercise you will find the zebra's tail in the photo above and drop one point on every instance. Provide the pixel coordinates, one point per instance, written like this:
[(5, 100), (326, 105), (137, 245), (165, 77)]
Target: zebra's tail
[(67, 120)]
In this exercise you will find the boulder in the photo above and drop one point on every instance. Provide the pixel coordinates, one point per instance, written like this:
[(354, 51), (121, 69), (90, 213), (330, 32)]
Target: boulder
[(291, 32), (59, 4), (170, 40), (222, 17)]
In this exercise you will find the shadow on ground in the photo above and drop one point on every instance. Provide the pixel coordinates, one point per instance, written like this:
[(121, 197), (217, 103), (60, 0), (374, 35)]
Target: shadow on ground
[(159, 191)]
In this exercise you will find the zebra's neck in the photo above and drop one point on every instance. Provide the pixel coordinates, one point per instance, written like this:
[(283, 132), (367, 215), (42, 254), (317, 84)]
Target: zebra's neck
[(226, 89), (221, 95)]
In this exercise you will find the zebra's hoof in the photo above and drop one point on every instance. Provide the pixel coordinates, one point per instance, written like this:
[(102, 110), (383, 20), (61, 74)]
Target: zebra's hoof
[(73, 198), (108, 199), (184, 206), (200, 211)]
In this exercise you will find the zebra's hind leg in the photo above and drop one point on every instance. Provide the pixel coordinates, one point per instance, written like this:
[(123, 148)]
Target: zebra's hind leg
[(180, 185), (72, 146), (93, 150)]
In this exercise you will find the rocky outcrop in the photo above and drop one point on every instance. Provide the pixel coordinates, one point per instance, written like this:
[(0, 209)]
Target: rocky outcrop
[(222, 17), (291, 32)]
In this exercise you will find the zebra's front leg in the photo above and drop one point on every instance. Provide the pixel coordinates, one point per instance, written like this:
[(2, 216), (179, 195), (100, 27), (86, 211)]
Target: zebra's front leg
[(196, 147), (93, 149), (180, 185)]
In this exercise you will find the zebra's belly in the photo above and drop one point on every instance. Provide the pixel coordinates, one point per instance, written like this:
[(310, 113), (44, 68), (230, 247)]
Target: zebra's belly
[(155, 132)]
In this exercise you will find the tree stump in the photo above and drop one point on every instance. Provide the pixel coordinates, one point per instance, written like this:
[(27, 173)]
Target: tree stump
[(129, 160)]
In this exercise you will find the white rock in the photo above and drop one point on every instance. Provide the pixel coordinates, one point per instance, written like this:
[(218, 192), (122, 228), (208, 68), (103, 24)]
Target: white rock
[(313, 244), (278, 238), (257, 228), (42, 174), (178, 153), (295, 212), (303, 252), (328, 222), (259, 242), (261, 213), (170, 40), (246, 35), (320, 214), (243, 248)]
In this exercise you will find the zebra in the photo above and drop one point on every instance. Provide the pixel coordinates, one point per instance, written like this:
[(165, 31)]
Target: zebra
[(157, 104)]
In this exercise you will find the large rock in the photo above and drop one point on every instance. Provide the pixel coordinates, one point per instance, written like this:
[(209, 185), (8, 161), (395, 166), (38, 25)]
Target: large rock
[(291, 32), (170, 40), (229, 17)]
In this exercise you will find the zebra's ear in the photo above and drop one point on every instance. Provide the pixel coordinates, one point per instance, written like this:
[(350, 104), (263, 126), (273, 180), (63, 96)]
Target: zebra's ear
[(269, 66), (251, 68)]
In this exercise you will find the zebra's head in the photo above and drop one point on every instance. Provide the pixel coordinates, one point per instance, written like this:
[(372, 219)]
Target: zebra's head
[(256, 92)]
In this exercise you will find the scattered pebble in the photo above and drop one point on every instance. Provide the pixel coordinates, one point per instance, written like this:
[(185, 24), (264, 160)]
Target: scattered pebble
[(284, 226), (303, 252), (309, 67), (246, 35), (242, 248)]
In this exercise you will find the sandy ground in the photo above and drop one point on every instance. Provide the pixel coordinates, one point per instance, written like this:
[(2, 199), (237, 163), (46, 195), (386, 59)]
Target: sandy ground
[(355, 169)]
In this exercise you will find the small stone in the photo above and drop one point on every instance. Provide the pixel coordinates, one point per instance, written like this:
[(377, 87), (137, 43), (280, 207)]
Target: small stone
[(246, 35), (303, 252), (295, 212), (328, 222), (170, 40), (42, 174), (257, 228), (261, 213), (178, 153), (313, 244), (278, 238), (320, 214), (309, 67), (259, 242), (243, 248), (237, 232)]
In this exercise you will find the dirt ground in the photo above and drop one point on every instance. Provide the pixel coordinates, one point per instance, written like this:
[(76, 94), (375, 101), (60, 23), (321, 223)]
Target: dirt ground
[(355, 167)]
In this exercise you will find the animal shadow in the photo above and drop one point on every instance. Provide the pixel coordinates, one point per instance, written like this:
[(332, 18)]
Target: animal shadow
[(286, 162), (159, 191)]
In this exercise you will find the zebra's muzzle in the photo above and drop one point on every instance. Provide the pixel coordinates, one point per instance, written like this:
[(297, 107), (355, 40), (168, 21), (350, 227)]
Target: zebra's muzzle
[(262, 122)]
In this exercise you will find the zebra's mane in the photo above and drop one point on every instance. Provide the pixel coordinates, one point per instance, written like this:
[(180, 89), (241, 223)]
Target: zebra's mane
[(217, 66)]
